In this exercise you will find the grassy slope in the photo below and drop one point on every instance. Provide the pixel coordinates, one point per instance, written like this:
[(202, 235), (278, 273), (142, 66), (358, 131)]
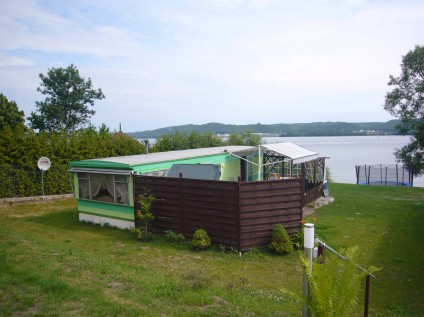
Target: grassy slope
[(53, 265), (387, 225)]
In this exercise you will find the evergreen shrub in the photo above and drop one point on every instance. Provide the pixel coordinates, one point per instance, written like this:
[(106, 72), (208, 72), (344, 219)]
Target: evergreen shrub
[(280, 242), (201, 239), (171, 236)]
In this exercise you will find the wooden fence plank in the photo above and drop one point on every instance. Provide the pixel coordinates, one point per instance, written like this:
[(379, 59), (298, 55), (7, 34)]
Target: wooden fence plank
[(238, 215)]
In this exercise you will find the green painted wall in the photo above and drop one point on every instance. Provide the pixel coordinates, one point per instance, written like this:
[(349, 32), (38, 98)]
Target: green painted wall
[(76, 187), (213, 159), (230, 169), (131, 191), (106, 210)]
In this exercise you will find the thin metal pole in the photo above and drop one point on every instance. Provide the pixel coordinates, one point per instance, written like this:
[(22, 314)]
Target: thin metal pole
[(367, 295), (381, 174), (397, 175), (369, 170), (385, 178), (42, 186), (342, 257), (42, 182)]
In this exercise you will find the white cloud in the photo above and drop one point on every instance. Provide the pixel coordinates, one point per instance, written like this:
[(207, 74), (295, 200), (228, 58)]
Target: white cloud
[(6, 60), (236, 61)]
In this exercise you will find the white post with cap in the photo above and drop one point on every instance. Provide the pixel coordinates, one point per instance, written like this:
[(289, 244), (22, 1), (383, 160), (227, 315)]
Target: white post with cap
[(308, 246)]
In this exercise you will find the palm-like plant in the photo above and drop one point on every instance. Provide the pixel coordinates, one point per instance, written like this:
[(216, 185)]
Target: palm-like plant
[(334, 287)]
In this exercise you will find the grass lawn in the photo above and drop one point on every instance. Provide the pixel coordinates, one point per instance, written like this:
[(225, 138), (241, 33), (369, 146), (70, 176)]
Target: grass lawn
[(50, 264)]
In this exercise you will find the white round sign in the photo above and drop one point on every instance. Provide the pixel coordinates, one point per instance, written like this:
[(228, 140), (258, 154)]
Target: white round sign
[(44, 163)]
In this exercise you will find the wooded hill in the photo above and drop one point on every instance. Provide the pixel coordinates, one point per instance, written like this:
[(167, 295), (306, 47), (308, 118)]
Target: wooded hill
[(280, 129)]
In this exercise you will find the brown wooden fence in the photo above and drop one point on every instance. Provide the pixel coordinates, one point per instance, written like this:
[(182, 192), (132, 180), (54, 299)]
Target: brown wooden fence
[(313, 192), (235, 214)]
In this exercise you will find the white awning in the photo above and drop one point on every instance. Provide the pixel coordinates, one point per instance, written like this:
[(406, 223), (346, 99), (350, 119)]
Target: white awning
[(295, 152)]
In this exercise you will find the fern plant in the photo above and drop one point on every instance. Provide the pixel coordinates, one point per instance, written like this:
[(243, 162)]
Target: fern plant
[(334, 287)]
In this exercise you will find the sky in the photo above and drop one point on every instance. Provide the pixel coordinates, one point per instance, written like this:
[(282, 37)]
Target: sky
[(166, 63)]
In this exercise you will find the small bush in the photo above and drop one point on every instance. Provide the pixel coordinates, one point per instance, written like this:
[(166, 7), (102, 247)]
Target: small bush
[(144, 235), (171, 236), (201, 240), (145, 216), (280, 242), (297, 238)]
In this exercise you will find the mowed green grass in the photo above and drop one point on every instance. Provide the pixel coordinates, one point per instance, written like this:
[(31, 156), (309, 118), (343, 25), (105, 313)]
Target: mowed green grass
[(53, 265), (387, 224)]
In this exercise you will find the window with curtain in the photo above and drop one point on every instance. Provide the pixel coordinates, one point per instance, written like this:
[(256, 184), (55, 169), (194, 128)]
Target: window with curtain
[(110, 188), (83, 185)]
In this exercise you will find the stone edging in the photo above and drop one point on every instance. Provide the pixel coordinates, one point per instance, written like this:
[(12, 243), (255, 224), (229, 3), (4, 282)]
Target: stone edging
[(34, 199)]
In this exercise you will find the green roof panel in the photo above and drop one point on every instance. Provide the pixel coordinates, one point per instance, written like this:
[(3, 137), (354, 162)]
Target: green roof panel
[(99, 164)]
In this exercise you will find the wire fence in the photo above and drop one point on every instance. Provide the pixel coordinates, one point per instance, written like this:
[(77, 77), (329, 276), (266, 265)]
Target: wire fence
[(384, 175), (19, 181)]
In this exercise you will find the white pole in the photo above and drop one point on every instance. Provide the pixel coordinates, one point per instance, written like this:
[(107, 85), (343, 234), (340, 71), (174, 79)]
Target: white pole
[(259, 163), (42, 182), (308, 246), (42, 185)]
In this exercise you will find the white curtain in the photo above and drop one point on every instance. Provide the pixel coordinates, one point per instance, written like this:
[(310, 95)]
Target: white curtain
[(98, 181), (108, 182), (122, 193), (95, 182), (83, 188)]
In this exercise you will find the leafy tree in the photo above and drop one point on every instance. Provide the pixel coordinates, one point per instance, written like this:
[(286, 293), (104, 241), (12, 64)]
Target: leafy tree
[(145, 215), (68, 96), (246, 138), (406, 101), (10, 114), (11, 141), (183, 141)]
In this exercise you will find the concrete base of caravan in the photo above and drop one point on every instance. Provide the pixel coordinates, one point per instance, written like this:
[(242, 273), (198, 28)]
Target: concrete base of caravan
[(121, 224)]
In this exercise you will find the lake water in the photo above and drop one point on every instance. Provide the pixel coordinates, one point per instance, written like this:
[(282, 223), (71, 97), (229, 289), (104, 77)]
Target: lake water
[(345, 152)]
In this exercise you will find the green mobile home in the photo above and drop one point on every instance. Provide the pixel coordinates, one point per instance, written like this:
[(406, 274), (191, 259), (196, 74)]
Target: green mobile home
[(104, 187)]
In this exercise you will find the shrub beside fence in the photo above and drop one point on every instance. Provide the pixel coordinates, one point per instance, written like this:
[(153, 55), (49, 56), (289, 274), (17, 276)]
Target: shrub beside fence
[(18, 181)]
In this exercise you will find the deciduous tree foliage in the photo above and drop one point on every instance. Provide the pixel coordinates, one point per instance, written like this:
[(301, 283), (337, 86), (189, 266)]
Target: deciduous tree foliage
[(246, 138), (10, 115), (183, 141), (406, 101), (68, 97)]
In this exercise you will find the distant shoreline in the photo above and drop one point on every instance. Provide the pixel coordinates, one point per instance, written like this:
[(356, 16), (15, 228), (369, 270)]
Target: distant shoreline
[(280, 129)]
